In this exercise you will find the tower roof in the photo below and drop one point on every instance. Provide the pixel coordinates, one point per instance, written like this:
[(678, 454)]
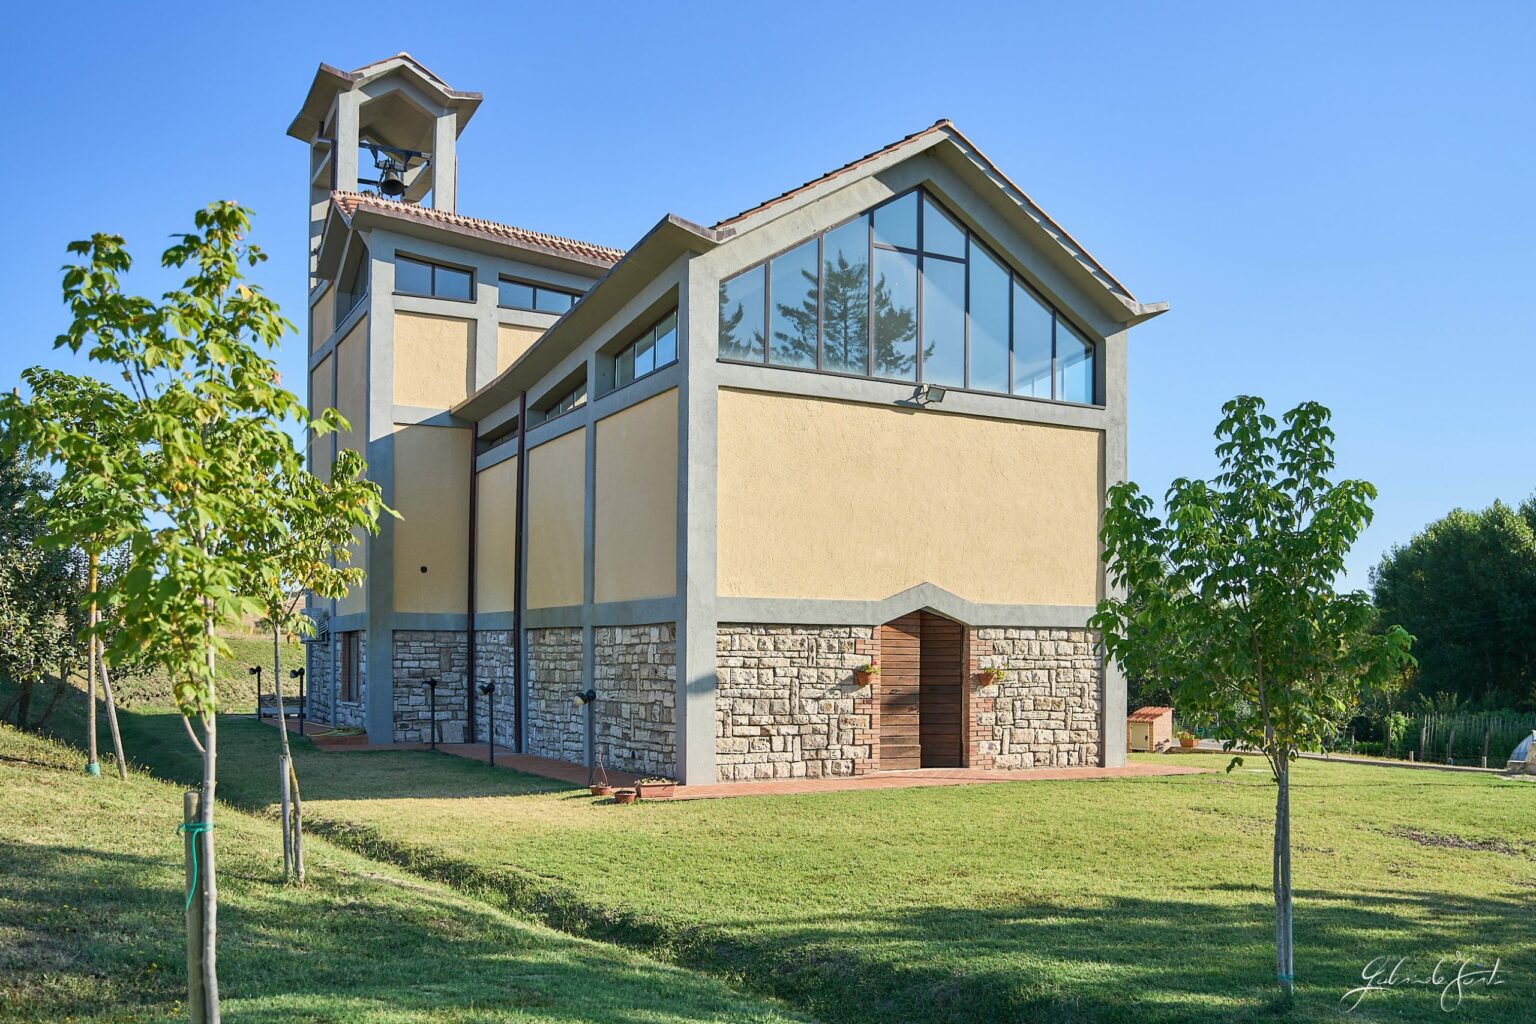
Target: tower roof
[(329, 81)]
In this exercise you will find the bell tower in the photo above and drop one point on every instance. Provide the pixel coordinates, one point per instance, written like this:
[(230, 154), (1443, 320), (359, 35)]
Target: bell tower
[(390, 127)]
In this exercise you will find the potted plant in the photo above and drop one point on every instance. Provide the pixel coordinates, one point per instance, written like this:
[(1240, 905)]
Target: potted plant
[(991, 675), (600, 785), (624, 796), (656, 788), (1186, 739), (865, 674)]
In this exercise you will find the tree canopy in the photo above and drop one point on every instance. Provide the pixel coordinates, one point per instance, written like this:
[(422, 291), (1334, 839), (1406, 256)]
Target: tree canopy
[(1465, 586)]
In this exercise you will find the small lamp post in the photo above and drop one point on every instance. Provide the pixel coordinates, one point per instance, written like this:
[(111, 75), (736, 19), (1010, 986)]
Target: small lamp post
[(489, 689), (298, 673), (255, 670), (584, 700), (431, 684)]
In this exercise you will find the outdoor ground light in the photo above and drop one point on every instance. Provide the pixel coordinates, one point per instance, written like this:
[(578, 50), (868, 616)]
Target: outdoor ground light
[(584, 699), (255, 670), (298, 673), (490, 723)]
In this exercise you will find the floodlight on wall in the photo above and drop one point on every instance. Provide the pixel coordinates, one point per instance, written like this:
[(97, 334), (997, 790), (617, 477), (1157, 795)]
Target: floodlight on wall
[(929, 394), (584, 698)]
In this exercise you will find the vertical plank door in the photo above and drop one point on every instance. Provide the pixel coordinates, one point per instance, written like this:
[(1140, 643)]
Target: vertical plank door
[(900, 665), (941, 679)]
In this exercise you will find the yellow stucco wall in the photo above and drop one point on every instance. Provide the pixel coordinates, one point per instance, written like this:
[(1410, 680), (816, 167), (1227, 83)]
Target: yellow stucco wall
[(322, 396), (352, 402), (635, 534), (432, 497), (352, 387), (433, 359), (496, 543), (556, 489), (825, 499), (322, 319), (512, 341)]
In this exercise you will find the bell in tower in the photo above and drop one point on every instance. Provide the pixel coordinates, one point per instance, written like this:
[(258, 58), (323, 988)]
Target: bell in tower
[(390, 127)]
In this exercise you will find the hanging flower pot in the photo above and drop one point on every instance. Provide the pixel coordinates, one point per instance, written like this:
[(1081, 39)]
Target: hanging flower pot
[(990, 676), (601, 789), (866, 674)]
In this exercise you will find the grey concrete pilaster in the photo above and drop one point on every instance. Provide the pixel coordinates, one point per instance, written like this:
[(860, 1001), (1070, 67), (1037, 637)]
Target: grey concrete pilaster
[(445, 164), (379, 715), (1113, 388), (697, 445), (344, 151)]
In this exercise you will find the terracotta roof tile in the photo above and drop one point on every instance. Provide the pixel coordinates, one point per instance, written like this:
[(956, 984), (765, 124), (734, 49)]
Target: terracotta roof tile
[(1148, 714), (350, 202)]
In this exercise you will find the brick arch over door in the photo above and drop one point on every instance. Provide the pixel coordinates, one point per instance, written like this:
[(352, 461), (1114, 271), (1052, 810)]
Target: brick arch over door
[(922, 692)]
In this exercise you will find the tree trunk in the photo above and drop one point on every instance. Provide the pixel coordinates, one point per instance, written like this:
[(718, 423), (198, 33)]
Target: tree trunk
[(196, 1004), (298, 823), (58, 694), (1284, 961), (117, 736), (210, 884), (290, 778), (91, 765), (24, 704)]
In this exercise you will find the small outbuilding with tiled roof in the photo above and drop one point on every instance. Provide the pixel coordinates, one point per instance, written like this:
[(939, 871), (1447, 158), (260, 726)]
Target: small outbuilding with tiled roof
[(1149, 728)]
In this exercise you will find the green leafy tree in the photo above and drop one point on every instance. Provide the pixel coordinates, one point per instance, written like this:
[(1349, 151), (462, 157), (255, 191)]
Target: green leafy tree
[(39, 584), (302, 547), (1465, 586), (1229, 602), (203, 414), (85, 427)]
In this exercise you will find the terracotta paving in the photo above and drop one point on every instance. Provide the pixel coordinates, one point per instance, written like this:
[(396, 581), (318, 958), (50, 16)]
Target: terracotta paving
[(926, 777), (576, 774)]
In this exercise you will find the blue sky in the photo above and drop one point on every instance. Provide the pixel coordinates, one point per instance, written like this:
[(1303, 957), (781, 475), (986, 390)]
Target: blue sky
[(1336, 198)]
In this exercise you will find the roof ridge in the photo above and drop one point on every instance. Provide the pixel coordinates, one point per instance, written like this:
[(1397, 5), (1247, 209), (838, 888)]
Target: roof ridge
[(942, 122), (350, 201)]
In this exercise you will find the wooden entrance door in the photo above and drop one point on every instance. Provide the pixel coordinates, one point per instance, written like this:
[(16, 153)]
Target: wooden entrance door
[(940, 692), (921, 695), (900, 667)]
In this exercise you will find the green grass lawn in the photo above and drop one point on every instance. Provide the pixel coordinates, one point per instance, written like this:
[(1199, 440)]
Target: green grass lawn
[(236, 686), (91, 925), (1121, 900)]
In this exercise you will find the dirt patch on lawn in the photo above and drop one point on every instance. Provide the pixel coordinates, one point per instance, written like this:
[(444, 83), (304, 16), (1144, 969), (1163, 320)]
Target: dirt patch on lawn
[(1458, 843)]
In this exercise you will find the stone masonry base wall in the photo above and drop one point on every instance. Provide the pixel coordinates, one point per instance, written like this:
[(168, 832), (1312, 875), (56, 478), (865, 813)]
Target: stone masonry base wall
[(348, 714), (555, 726), (317, 681), (635, 678), (1046, 711), (493, 664), (420, 655), (786, 703)]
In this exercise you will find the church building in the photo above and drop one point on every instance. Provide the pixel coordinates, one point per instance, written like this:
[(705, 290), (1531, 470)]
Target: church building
[(691, 489)]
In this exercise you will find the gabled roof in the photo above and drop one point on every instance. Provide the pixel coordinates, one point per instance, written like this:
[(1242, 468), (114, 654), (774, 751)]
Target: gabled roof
[(1148, 714), (943, 134), (329, 81), (349, 204)]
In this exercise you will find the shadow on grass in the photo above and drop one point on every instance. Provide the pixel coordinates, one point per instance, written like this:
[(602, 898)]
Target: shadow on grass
[(96, 934)]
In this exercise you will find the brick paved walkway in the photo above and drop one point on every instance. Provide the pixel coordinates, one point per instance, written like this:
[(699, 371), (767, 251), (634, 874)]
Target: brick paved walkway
[(564, 771)]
